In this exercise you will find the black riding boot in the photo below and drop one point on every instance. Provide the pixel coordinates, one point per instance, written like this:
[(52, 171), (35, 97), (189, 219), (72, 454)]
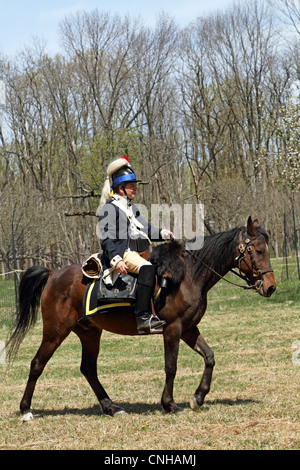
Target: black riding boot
[(145, 320)]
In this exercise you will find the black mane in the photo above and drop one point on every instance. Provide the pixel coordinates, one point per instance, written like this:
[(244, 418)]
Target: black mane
[(217, 250), (172, 258), (169, 259)]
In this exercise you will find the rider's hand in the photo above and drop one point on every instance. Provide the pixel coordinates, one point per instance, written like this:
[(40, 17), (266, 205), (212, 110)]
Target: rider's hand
[(167, 234), (121, 267)]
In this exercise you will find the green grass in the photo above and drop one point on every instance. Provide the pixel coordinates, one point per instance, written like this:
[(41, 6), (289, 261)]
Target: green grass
[(253, 403)]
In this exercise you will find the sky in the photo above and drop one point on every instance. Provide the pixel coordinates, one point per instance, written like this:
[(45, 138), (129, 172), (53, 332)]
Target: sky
[(21, 21)]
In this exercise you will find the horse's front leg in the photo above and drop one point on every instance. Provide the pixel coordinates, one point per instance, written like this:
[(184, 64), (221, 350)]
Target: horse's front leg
[(171, 344), (195, 340)]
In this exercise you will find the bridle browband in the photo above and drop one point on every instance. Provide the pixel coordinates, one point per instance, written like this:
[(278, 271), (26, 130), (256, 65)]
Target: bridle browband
[(255, 270)]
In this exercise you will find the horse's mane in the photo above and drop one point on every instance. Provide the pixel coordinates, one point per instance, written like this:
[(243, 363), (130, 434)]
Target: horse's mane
[(168, 257), (173, 259), (216, 248)]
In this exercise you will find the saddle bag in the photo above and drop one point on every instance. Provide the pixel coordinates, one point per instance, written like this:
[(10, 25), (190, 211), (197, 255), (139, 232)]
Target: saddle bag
[(124, 289)]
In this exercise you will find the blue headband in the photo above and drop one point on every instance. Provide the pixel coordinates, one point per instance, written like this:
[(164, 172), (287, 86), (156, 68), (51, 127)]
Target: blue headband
[(124, 178)]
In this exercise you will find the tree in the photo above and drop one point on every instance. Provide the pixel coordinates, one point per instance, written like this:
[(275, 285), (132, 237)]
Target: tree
[(288, 132), (290, 9)]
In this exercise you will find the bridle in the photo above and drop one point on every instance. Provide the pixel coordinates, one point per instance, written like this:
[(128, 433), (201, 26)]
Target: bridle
[(254, 269)]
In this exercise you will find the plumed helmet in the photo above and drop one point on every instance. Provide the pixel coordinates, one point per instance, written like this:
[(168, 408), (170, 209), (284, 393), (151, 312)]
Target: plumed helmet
[(120, 171), (123, 175)]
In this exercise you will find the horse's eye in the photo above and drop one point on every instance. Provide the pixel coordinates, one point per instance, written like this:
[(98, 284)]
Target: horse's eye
[(259, 252)]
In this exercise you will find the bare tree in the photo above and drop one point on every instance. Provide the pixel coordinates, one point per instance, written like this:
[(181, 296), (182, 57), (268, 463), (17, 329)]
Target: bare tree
[(199, 117), (228, 84), (290, 9)]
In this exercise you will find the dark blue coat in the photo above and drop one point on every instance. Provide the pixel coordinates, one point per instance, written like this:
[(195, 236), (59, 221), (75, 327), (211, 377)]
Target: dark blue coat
[(114, 228)]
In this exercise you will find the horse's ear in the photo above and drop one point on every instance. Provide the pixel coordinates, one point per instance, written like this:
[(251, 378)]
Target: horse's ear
[(252, 227)]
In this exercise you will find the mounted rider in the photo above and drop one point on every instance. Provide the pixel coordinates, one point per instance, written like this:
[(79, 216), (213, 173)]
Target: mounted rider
[(126, 238)]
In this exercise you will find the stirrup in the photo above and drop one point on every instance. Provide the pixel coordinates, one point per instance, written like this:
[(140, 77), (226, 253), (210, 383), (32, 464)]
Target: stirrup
[(149, 324)]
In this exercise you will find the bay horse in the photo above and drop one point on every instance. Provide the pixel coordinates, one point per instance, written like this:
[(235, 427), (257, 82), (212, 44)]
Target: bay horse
[(61, 294)]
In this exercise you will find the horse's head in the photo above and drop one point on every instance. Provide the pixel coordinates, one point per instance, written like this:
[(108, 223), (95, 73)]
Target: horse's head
[(253, 258)]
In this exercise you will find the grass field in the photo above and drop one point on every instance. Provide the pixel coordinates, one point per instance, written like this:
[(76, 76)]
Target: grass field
[(253, 403)]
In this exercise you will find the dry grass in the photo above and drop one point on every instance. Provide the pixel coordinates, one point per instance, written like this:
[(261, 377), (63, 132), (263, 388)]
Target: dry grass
[(253, 403)]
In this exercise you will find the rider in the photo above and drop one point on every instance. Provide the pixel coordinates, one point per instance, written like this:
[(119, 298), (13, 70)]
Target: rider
[(126, 238)]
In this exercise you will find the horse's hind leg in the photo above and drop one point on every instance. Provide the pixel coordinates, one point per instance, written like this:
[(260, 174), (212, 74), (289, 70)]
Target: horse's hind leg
[(44, 353), (195, 340), (90, 341)]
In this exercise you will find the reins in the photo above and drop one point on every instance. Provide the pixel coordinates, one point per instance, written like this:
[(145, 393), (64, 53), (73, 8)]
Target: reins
[(241, 257), (220, 276)]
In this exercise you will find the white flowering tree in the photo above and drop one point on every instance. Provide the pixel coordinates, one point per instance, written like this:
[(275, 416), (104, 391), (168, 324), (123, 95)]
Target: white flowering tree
[(288, 132)]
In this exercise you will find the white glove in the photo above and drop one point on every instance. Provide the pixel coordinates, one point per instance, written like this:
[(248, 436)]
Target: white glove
[(167, 234)]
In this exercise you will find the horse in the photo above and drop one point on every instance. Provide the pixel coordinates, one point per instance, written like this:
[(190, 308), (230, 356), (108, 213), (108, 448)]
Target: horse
[(60, 294)]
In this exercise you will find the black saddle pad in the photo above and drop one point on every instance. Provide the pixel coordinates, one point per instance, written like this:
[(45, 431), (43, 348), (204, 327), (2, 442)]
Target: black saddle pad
[(99, 298)]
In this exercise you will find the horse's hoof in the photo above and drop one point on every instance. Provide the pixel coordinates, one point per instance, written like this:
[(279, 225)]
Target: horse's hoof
[(120, 413), (27, 417), (115, 410), (176, 410), (193, 404)]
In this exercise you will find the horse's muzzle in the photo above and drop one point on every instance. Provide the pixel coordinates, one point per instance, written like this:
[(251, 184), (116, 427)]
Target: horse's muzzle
[(265, 288), (271, 290)]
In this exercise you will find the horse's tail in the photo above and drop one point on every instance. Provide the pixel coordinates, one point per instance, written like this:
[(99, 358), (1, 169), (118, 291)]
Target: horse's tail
[(30, 290)]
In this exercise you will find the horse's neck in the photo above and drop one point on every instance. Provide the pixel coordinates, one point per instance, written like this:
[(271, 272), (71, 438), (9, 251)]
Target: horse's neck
[(213, 277)]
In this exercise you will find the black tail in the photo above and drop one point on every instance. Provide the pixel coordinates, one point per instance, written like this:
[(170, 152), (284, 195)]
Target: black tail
[(30, 290)]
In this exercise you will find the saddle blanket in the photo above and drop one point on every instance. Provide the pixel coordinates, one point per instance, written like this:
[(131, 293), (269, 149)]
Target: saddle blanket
[(93, 306)]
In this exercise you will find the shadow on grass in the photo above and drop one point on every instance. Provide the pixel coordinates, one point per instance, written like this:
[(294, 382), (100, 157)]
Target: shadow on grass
[(137, 408), (228, 402)]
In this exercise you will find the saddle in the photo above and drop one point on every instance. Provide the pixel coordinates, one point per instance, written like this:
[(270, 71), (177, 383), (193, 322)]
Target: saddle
[(104, 298), (123, 288), (100, 298)]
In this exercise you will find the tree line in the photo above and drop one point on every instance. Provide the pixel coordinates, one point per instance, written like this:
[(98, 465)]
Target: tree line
[(208, 113)]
